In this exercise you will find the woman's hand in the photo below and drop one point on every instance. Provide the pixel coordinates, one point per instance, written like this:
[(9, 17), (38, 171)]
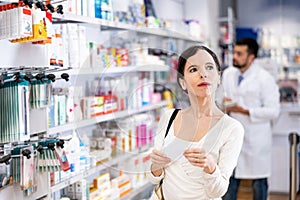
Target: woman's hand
[(199, 158), (159, 161)]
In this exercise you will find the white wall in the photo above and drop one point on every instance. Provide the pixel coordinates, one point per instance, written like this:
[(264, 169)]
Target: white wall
[(27, 54), (169, 9), (205, 11), (282, 16)]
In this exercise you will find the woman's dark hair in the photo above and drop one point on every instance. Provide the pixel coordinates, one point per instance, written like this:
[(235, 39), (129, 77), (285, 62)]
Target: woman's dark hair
[(190, 52)]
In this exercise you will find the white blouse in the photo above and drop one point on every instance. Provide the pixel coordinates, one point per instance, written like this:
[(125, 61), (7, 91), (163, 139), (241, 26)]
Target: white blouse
[(181, 180)]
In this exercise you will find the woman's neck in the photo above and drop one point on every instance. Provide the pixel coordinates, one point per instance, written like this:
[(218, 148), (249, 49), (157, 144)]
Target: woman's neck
[(203, 107)]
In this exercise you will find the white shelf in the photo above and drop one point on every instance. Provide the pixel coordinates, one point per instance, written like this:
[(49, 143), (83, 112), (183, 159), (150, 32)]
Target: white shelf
[(90, 171), (136, 191), (103, 118), (110, 25), (115, 70), (292, 65), (290, 107), (8, 2)]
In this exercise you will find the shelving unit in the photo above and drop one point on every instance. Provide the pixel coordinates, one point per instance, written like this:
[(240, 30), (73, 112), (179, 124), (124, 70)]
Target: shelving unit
[(228, 45), (8, 1), (104, 26), (103, 118), (117, 70), (135, 191), (90, 171), (111, 25), (292, 66)]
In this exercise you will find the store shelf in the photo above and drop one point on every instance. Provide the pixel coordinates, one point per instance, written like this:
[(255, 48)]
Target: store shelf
[(290, 107), (90, 171), (112, 25), (103, 118), (135, 191), (115, 70), (8, 1), (292, 66)]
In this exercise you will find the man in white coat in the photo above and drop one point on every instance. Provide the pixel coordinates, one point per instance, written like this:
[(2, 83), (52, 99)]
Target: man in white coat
[(252, 97)]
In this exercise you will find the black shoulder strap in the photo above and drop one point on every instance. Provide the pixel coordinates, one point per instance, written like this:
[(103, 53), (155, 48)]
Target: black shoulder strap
[(171, 121), (167, 131)]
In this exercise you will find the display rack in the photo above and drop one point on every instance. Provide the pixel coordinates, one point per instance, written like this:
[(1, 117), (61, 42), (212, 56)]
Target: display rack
[(45, 189), (90, 171), (103, 118), (135, 191), (228, 44), (117, 70), (112, 25), (7, 2)]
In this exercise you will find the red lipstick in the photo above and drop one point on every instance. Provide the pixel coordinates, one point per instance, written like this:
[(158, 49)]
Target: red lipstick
[(203, 84)]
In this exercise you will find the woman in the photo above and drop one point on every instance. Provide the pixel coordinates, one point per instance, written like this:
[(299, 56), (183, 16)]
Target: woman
[(215, 139)]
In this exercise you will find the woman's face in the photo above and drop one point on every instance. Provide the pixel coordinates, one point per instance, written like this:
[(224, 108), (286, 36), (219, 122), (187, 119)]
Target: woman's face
[(201, 76)]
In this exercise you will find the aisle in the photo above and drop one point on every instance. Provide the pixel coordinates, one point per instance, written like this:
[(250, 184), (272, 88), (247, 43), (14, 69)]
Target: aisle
[(245, 193)]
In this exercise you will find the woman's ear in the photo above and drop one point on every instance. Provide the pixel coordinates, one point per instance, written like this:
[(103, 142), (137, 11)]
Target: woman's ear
[(182, 83)]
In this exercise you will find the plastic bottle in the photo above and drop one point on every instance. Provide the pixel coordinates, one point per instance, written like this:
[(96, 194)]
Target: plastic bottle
[(74, 153), (83, 156)]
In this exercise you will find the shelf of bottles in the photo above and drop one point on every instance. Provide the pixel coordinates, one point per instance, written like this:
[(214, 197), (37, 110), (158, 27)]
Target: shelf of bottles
[(113, 25), (92, 170), (227, 38), (103, 118), (117, 70), (8, 1)]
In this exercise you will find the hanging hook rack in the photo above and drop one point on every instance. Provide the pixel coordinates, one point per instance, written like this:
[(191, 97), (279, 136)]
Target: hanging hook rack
[(5, 159), (29, 3), (44, 143), (26, 153), (28, 76), (40, 4), (3, 77), (32, 69)]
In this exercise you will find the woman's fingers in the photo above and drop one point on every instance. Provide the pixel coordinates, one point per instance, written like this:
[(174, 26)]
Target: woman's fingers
[(194, 151), (196, 156), (158, 157)]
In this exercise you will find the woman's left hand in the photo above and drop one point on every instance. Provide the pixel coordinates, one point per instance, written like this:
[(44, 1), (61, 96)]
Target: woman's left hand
[(199, 158)]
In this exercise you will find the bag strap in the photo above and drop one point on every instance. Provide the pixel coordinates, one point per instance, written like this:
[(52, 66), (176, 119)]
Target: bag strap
[(168, 128), (171, 121)]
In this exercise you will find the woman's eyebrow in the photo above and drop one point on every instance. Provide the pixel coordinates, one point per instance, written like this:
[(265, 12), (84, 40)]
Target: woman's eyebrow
[(192, 65), (209, 63)]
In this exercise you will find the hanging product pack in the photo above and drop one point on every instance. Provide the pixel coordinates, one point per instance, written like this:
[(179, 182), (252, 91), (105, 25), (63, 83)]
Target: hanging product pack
[(157, 193)]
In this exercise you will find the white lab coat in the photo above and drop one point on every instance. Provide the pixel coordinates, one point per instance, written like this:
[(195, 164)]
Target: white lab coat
[(259, 93)]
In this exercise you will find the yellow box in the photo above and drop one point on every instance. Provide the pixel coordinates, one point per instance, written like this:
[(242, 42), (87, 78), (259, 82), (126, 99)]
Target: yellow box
[(103, 178)]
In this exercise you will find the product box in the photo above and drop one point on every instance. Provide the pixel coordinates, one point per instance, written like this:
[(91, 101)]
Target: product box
[(70, 191), (123, 183), (92, 106), (94, 194), (111, 194), (84, 59), (81, 190), (101, 181), (74, 48), (39, 25), (25, 22)]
